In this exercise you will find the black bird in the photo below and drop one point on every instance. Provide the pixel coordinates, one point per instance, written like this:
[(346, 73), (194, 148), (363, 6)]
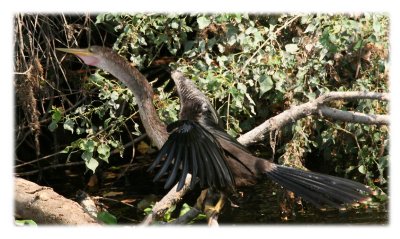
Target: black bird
[(198, 145)]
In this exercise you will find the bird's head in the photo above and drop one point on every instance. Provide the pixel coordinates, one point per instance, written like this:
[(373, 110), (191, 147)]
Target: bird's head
[(101, 57), (92, 56), (194, 104), (108, 60)]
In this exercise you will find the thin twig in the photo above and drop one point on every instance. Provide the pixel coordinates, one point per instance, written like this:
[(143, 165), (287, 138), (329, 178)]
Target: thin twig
[(49, 167)]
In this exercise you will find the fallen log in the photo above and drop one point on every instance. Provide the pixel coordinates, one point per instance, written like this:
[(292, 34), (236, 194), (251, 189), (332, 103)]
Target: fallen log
[(44, 206)]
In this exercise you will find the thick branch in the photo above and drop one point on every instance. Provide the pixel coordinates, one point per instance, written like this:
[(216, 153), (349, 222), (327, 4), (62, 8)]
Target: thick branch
[(45, 206), (318, 107)]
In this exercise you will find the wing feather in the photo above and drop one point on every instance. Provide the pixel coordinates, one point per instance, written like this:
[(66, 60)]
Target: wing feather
[(167, 162), (185, 172), (175, 168), (191, 148)]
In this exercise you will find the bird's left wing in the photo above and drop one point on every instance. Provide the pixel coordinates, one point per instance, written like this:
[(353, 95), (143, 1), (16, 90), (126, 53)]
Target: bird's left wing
[(192, 149)]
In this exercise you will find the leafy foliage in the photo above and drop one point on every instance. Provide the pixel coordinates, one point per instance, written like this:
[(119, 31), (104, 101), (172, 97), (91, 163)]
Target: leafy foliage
[(100, 122), (252, 67), (246, 62), (168, 216)]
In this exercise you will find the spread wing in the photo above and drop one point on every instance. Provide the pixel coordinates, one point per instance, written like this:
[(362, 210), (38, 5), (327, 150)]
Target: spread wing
[(192, 149)]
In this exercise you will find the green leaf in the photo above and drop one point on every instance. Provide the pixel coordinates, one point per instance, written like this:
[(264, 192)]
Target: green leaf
[(103, 149), (291, 48), (87, 145), (104, 152), (86, 155), (66, 150), (114, 96), (167, 215), (310, 28), (250, 30), (266, 84), (80, 131), (107, 218), (349, 169), (25, 223), (56, 116), (377, 25), (184, 210), (148, 210), (52, 126), (242, 88), (69, 125), (174, 25), (203, 22), (142, 41), (362, 169), (91, 163)]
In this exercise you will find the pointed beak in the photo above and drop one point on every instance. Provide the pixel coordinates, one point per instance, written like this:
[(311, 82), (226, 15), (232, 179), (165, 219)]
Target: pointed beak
[(76, 51), (87, 56)]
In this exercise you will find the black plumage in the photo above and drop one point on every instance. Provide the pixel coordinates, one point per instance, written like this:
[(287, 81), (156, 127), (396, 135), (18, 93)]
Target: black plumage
[(194, 150), (198, 145)]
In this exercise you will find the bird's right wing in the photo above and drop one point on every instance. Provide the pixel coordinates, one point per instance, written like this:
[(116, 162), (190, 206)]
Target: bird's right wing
[(191, 148)]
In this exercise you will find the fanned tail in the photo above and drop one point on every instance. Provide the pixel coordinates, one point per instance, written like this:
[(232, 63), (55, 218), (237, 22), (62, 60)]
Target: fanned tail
[(319, 189)]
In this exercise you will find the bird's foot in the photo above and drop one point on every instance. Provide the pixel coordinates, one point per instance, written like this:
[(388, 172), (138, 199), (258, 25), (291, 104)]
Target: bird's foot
[(205, 202)]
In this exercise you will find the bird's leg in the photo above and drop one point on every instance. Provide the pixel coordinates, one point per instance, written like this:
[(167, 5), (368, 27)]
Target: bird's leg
[(201, 199), (206, 203)]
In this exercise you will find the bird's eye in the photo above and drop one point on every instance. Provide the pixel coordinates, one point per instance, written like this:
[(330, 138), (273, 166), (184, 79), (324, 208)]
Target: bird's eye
[(204, 107)]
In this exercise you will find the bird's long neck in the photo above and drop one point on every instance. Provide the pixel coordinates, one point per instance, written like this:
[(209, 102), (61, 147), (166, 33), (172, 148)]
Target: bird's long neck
[(143, 92), (194, 104)]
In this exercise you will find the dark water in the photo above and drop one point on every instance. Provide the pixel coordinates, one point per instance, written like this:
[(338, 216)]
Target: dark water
[(262, 207), (259, 204)]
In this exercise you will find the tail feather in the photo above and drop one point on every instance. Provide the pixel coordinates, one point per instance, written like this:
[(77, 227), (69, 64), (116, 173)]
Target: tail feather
[(319, 189), (329, 185)]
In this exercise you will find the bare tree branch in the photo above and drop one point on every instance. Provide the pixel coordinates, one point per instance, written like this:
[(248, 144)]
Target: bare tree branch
[(171, 198), (353, 117), (318, 107)]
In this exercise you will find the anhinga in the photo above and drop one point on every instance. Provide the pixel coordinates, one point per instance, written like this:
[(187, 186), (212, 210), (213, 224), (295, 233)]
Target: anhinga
[(197, 144)]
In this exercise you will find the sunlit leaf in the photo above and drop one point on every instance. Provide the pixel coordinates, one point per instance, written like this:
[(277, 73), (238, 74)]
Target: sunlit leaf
[(25, 223), (107, 218), (310, 28), (104, 152), (203, 22), (291, 48), (91, 163), (266, 84), (362, 169), (69, 125)]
